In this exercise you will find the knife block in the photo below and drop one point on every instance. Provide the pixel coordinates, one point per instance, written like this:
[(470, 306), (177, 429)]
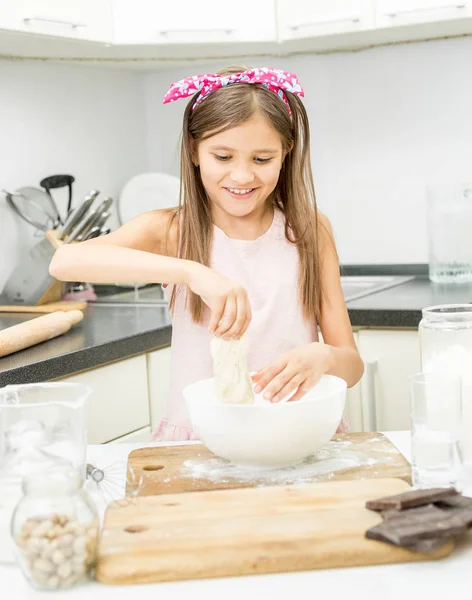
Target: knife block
[(51, 299)]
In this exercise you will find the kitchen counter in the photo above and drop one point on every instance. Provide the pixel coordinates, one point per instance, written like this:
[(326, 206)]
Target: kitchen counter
[(115, 331), (105, 335), (448, 577), (401, 306)]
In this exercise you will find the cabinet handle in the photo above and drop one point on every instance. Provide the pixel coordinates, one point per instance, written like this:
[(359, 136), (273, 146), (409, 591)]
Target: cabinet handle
[(371, 370), (55, 21), (214, 30), (408, 11), (328, 21)]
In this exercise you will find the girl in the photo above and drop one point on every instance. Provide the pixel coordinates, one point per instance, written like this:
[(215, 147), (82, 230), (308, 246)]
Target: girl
[(246, 250)]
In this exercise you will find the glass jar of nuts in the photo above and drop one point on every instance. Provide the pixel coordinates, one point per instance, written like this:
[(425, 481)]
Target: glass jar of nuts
[(55, 528)]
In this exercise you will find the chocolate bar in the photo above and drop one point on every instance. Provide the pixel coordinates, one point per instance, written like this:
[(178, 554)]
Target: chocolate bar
[(411, 499), (408, 530)]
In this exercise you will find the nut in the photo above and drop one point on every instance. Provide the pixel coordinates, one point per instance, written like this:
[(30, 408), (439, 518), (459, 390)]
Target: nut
[(57, 551)]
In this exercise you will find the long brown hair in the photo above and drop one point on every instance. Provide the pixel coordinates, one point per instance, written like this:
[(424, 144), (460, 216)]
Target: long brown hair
[(294, 193)]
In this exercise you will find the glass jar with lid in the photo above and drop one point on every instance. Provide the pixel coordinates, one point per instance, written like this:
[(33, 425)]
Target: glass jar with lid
[(55, 528)]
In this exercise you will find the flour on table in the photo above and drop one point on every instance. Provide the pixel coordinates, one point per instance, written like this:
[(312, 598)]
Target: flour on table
[(233, 384)]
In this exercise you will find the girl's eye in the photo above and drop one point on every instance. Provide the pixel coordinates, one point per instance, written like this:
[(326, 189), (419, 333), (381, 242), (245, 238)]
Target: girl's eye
[(219, 157), (262, 161)]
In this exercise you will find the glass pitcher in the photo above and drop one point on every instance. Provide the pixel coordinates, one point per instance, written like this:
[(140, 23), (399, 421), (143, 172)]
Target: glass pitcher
[(449, 223), (42, 426)]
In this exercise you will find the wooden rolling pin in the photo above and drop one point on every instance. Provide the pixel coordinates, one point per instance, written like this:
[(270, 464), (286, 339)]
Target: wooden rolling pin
[(37, 330)]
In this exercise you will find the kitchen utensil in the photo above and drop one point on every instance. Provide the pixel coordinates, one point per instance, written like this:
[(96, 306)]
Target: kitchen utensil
[(56, 182), (148, 191), (100, 222), (449, 221), (45, 308), (249, 531), (31, 278), (190, 468), (111, 482), (37, 330), (77, 215), (105, 205), (35, 207), (245, 433), (83, 226), (93, 233)]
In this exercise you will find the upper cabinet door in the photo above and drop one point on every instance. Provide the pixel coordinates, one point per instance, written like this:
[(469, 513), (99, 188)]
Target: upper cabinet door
[(391, 13), (313, 18), (188, 21), (78, 19)]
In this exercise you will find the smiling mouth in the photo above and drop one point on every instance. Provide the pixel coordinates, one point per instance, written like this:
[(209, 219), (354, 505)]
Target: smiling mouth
[(240, 192)]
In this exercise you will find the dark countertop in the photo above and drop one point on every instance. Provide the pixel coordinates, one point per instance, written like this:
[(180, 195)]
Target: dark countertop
[(110, 333), (401, 306), (106, 334)]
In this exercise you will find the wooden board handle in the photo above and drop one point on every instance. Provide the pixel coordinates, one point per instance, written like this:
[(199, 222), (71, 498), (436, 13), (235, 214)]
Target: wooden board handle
[(37, 330)]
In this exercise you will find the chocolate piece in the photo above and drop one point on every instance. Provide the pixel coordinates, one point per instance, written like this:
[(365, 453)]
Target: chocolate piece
[(425, 523), (427, 546), (461, 506), (428, 512), (410, 499), (455, 501)]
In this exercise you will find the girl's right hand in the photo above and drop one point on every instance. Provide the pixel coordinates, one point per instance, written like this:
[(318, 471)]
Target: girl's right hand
[(227, 300)]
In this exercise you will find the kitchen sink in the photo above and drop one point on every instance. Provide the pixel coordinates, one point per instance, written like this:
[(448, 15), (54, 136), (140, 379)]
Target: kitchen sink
[(354, 287), (147, 296), (358, 286)]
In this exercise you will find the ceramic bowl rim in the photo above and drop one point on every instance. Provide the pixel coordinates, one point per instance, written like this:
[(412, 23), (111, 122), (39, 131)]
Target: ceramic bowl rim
[(305, 400)]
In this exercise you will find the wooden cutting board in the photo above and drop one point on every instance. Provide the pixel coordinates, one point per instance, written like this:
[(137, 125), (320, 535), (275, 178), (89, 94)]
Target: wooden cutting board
[(247, 531), (166, 470)]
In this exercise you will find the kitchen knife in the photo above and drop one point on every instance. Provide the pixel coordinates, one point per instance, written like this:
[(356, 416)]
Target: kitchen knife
[(77, 214), (98, 221), (94, 232), (105, 205), (84, 226)]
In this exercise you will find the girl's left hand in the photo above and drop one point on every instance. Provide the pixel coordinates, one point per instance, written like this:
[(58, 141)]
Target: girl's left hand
[(300, 369)]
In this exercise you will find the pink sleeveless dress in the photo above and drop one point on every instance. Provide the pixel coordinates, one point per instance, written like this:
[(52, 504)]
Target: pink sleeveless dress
[(268, 268)]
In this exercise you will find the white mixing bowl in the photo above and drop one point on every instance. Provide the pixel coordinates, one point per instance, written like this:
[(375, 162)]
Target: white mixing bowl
[(264, 435)]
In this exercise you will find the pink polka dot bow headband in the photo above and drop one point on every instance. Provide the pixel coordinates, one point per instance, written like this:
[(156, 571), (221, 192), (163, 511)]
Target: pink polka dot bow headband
[(275, 80)]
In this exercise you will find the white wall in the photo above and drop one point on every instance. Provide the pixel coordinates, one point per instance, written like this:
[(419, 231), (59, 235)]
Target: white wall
[(385, 122), (88, 122)]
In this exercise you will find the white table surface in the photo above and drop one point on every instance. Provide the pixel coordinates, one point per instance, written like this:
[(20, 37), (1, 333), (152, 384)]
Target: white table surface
[(445, 578)]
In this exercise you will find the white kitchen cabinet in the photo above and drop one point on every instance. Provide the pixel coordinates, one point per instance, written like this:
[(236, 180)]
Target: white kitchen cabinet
[(143, 435), (394, 13), (119, 403), (77, 19), (187, 21), (390, 358), (308, 19), (158, 368)]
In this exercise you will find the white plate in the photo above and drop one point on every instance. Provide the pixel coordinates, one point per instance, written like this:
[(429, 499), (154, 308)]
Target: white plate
[(148, 191)]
